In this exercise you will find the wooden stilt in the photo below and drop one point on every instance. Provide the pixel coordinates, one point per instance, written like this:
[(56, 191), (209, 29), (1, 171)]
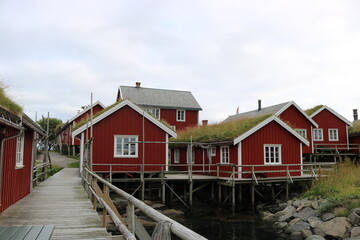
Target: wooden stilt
[(233, 198), (219, 193), (272, 192), (143, 190), (191, 184), (104, 213), (171, 193), (287, 190), (253, 197), (185, 192), (240, 193), (212, 191)]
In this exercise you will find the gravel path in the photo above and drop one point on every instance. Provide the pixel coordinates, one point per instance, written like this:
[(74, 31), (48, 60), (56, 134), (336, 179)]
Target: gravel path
[(58, 159)]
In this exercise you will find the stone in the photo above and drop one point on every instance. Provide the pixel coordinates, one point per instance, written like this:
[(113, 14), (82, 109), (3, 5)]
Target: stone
[(157, 205), (296, 203), (172, 213), (306, 233), (296, 236), (297, 227), (295, 220), (288, 213), (280, 207), (266, 216), (313, 219), (315, 237), (356, 210), (280, 225), (335, 227), (315, 204), (327, 217), (306, 213), (355, 232), (290, 202), (353, 218)]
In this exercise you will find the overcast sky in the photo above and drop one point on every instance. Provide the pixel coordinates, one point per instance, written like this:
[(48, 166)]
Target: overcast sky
[(229, 54)]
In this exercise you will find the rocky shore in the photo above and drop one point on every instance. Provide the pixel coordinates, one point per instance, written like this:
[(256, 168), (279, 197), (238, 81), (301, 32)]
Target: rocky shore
[(301, 219)]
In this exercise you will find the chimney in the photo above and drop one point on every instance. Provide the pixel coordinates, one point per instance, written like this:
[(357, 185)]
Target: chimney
[(137, 84), (355, 115), (205, 122), (259, 104)]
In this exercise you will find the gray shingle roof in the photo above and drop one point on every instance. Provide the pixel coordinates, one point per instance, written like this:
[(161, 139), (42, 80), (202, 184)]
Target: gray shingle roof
[(151, 97), (256, 113)]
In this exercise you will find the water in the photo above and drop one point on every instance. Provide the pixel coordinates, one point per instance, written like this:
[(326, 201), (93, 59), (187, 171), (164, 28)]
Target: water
[(216, 224)]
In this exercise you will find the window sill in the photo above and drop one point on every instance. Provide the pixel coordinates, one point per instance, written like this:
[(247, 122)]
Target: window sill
[(19, 167), (126, 156)]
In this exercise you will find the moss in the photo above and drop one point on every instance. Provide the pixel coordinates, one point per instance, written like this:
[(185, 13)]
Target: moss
[(219, 132), (7, 103), (355, 128), (312, 110)]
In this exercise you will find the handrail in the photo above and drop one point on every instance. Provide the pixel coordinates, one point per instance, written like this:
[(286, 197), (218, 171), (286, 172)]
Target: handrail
[(178, 229)]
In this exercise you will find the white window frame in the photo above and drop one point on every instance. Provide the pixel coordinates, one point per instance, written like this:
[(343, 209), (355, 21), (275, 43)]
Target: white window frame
[(336, 131), (224, 155), (271, 158), (174, 127), (181, 117), (213, 151), (154, 111), (122, 155), (318, 136), (20, 151), (176, 156), (302, 132)]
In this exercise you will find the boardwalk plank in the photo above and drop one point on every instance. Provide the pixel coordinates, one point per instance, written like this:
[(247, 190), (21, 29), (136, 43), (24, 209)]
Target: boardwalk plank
[(61, 201)]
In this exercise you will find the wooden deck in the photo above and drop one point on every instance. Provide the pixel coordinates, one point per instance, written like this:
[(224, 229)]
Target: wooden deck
[(61, 201)]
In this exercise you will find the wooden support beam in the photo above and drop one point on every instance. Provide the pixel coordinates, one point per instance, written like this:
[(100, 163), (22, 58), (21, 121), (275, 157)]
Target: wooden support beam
[(252, 192), (130, 211), (171, 193), (104, 213), (191, 185), (240, 193), (219, 193), (233, 198)]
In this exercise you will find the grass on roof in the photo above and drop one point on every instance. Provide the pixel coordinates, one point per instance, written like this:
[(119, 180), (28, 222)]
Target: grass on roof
[(7, 103), (219, 132), (312, 110), (355, 128)]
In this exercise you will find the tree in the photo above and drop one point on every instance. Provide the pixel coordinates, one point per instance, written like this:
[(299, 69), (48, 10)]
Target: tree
[(53, 123)]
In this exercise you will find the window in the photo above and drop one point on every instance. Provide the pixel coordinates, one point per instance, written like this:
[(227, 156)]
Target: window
[(125, 146), (213, 151), (272, 154), (154, 111), (302, 132), (318, 134), (180, 115), (174, 127), (333, 134), (176, 156), (224, 154), (20, 151)]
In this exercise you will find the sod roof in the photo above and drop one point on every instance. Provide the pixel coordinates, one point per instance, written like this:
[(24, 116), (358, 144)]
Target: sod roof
[(355, 129), (310, 111), (225, 131), (7, 103)]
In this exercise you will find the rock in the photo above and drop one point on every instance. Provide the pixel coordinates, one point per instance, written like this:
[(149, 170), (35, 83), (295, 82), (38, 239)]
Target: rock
[(290, 202), (157, 205), (280, 225), (335, 227), (315, 237), (296, 203), (296, 236), (266, 216), (172, 213), (314, 221), (306, 233), (353, 218), (356, 210), (295, 220), (355, 232), (297, 227), (280, 207), (327, 217), (315, 204), (306, 213), (288, 213)]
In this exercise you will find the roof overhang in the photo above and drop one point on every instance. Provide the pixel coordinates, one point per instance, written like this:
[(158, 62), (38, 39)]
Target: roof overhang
[(267, 121), (120, 105), (333, 112)]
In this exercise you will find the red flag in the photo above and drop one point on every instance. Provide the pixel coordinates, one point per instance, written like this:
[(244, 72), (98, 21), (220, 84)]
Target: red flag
[(237, 110)]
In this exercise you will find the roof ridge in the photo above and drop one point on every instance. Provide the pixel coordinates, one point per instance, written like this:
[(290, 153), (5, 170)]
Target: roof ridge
[(161, 89)]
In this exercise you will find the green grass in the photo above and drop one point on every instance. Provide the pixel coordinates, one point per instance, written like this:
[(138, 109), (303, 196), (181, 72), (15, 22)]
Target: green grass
[(74, 165), (355, 128), (341, 189), (7, 103), (219, 132), (312, 110)]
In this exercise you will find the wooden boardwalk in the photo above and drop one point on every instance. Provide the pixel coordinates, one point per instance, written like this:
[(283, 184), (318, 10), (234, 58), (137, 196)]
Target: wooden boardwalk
[(61, 201)]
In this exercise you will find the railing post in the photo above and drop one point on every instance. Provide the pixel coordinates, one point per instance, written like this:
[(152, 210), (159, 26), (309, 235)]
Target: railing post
[(162, 186), (130, 210), (94, 198), (217, 170), (104, 212)]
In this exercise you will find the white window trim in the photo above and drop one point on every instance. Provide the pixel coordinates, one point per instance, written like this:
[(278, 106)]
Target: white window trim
[(302, 132), (337, 134), (322, 134), (136, 146), (151, 111), (176, 156), (177, 115), (20, 151), (280, 155), (213, 151), (221, 155)]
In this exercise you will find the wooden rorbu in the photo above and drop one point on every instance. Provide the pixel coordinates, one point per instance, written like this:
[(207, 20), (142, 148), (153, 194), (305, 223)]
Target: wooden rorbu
[(265, 142), (18, 136), (118, 135), (67, 143), (354, 134)]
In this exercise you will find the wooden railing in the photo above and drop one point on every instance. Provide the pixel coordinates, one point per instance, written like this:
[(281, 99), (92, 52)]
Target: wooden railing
[(40, 172), (91, 179), (336, 147)]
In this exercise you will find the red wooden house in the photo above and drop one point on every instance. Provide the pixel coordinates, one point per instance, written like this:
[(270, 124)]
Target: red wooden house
[(67, 143), (354, 134), (177, 108), (126, 134), (266, 142), (288, 112), (333, 129), (18, 135)]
